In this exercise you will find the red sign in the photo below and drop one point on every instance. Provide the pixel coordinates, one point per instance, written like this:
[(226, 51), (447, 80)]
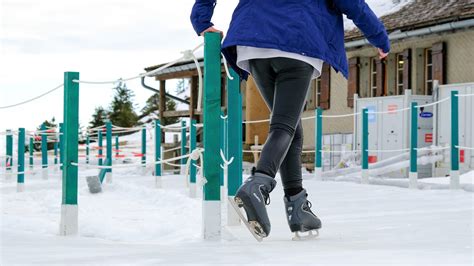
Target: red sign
[(461, 156), (372, 159), (429, 138), (391, 108)]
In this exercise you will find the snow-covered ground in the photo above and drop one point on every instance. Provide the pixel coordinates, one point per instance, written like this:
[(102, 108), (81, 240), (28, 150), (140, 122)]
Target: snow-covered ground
[(133, 223)]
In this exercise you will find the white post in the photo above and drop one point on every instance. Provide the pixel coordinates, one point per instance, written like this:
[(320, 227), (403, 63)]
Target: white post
[(69, 220), (44, 173), (365, 176), (454, 181), (413, 183)]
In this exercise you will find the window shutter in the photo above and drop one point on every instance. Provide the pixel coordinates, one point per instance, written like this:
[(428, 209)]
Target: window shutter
[(439, 62), (325, 96), (380, 77), (407, 69), (353, 82)]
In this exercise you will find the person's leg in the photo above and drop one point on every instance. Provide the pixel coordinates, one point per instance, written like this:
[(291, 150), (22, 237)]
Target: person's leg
[(291, 84), (290, 169)]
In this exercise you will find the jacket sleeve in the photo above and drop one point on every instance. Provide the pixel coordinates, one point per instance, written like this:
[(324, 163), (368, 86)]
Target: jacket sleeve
[(365, 19), (201, 15)]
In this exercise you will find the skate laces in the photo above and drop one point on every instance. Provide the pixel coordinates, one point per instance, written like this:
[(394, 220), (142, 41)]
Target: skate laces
[(266, 196)]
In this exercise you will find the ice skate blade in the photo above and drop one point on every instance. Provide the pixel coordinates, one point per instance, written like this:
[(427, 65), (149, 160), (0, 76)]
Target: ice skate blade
[(311, 235), (252, 226)]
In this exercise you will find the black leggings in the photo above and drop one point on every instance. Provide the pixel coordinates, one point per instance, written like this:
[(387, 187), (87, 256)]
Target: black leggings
[(283, 84)]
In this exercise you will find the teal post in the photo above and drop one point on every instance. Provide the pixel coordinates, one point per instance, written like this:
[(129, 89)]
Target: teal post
[(44, 147), (234, 142), (183, 145), (365, 146), (454, 181), (21, 160), (56, 144), (192, 167), (144, 147), (88, 143), (61, 144), (413, 175), (69, 211), (9, 161), (319, 143), (31, 150), (157, 153), (108, 127), (99, 142), (211, 111), (222, 146), (117, 146)]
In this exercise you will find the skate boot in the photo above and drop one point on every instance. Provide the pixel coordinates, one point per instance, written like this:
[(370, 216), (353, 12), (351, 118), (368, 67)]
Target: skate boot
[(253, 195), (300, 217)]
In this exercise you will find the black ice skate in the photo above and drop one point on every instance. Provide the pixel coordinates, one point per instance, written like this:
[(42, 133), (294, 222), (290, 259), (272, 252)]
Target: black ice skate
[(253, 195), (300, 217)]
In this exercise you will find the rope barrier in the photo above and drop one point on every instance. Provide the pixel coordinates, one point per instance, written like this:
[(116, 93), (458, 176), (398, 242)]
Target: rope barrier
[(32, 99), (382, 151), (185, 54), (465, 95), (339, 116), (256, 121), (465, 148), (435, 103)]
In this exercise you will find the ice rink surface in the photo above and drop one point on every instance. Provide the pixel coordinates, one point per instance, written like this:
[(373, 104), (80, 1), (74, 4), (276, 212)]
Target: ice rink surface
[(133, 223)]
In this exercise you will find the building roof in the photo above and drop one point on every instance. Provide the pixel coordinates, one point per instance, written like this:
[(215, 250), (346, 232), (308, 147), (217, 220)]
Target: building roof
[(422, 13)]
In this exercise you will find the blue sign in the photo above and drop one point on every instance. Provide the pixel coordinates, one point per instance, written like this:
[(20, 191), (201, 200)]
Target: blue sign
[(426, 115), (372, 116)]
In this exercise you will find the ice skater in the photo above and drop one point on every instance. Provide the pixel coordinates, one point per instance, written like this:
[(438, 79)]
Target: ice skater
[(283, 44)]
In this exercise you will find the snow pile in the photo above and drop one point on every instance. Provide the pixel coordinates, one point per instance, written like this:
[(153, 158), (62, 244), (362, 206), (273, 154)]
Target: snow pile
[(380, 8)]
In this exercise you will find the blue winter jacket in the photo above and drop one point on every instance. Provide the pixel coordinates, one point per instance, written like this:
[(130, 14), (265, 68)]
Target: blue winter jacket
[(312, 28)]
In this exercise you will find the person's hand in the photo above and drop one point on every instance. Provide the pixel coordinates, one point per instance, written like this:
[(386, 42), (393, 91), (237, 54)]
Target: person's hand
[(212, 29), (382, 55)]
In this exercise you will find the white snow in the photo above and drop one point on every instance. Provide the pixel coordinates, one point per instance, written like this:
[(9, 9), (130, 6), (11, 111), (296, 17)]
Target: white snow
[(380, 8), (133, 223)]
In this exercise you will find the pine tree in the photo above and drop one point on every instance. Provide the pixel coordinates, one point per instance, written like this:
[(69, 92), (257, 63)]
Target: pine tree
[(122, 111), (99, 117), (153, 107)]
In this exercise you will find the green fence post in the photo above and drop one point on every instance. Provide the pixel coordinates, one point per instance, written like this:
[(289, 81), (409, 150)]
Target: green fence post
[(108, 128), (88, 143), (69, 210), (183, 147), (454, 182), (31, 149), (318, 160), (413, 175), (9, 159), (211, 110), (234, 143), (9, 150), (158, 183), (56, 146), (61, 145), (144, 147), (365, 146), (20, 187), (99, 143), (117, 146), (44, 151), (192, 167), (221, 147)]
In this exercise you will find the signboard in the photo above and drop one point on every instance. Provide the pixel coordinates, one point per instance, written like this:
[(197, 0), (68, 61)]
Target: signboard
[(372, 116), (426, 115), (429, 138), (392, 108)]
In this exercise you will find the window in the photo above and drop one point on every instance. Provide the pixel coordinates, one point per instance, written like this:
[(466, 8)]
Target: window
[(318, 91), (400, 79), (428, 71), (373, 77)]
